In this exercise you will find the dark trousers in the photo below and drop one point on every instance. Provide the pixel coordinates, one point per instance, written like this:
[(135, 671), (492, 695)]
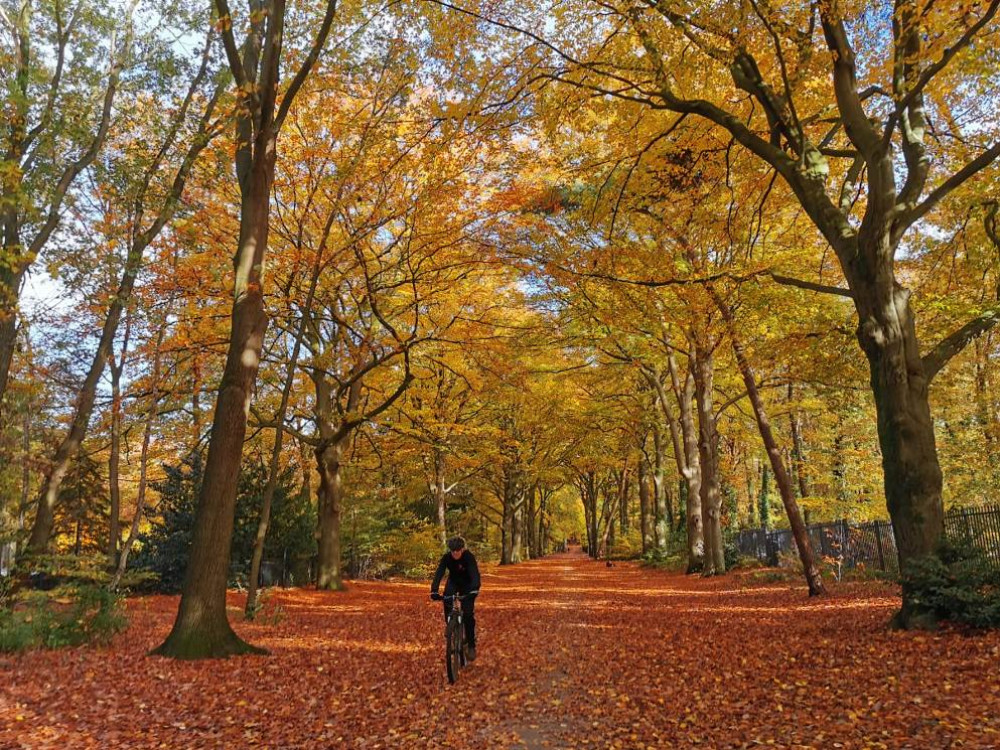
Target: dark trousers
[(468, 613)]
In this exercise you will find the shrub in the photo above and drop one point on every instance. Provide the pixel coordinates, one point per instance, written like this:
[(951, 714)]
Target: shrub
[(731, 552), (673, 560), (165, 547), (266, 611), (627, 546), (410, 552), (68, 615), (957, 584)]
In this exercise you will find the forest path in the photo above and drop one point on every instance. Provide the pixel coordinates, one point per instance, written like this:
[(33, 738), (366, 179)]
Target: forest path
[(571, 654)]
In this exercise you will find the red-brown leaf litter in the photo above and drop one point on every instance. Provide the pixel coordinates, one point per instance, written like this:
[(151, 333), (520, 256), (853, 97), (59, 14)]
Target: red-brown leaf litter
[(571, 654)]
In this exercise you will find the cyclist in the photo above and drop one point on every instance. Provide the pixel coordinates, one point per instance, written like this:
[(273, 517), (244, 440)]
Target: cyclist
[(463, 578)]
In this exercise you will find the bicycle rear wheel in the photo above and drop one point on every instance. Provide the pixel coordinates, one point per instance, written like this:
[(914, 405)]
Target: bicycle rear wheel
[(453, 649)]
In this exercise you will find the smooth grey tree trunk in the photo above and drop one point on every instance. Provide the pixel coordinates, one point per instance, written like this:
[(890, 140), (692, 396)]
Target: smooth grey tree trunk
[(644, 515), (685, 394), (708, 455)]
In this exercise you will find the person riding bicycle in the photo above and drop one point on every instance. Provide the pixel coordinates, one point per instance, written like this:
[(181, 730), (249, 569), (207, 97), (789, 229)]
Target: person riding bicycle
[(463, 578)]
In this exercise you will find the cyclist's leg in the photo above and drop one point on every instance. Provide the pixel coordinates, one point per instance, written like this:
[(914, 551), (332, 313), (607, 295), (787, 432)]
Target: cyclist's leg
[(449, 590), (469, 619)]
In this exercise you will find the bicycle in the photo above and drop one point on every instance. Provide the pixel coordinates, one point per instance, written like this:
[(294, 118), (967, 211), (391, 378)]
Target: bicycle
[(454, 635)]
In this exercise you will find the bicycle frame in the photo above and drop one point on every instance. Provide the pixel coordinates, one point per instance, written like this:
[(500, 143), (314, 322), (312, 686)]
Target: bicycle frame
[(454, 633)]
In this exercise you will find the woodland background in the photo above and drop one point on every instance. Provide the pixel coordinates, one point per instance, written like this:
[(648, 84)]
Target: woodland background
[(524, 280)]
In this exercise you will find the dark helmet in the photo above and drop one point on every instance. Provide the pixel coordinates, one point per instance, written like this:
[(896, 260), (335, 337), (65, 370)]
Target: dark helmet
[(456, 543)]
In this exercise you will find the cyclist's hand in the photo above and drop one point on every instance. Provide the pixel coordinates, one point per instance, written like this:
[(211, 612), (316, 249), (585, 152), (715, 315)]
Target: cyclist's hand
[(436, 597)]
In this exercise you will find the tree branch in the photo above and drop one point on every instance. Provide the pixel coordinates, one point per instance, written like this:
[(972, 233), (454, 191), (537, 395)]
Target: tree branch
[(933, 70), (954, 343), (810, 285), (907, 218), (307, 64), (225, 24)]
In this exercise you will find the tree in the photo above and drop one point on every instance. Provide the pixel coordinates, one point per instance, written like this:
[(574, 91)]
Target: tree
[(141, 198), (202, 629), (811, 131), (52, 69)]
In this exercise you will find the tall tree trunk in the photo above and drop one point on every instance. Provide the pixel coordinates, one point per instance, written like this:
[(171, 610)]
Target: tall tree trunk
[(517, 525), (114, 460), (906, 431), (530, 522), (607, 515), (623, 488), (644, 520), (698, 550), (671, 514), (328, 461), (22, 508), (507, 529), (984, 405), (750, 471), (764, 504), (440, 496), (708, 456), (250, 610), (329, 458), (661, 530), (202, 629), (588, 495), (809, 568), (610, 528), (8, 341), (544, 495)]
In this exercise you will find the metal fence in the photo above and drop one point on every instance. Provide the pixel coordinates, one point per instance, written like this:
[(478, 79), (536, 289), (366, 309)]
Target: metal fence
[(287, 571), (873, 545)]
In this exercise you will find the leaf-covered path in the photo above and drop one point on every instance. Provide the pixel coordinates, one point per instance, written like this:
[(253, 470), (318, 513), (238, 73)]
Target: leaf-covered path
[(572, 654)]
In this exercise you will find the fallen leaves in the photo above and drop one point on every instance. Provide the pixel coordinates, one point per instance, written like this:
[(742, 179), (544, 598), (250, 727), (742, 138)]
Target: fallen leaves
[(572, 654)]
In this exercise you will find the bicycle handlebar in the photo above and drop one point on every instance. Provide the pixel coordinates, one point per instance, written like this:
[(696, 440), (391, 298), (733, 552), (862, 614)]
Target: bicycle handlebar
[(451, 597)]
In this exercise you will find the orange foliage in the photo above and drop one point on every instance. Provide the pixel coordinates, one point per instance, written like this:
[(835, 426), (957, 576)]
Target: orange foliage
[(572, 654)]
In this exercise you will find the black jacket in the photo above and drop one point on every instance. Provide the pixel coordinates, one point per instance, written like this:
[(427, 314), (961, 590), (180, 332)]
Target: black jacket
[(463, 573)]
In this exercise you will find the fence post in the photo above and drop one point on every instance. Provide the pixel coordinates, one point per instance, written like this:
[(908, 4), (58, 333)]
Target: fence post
[(772, 549), (968, 526), (878, 544)]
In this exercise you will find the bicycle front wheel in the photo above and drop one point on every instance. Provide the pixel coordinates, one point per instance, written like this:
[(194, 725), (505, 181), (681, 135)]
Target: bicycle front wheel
[(453, 649)]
